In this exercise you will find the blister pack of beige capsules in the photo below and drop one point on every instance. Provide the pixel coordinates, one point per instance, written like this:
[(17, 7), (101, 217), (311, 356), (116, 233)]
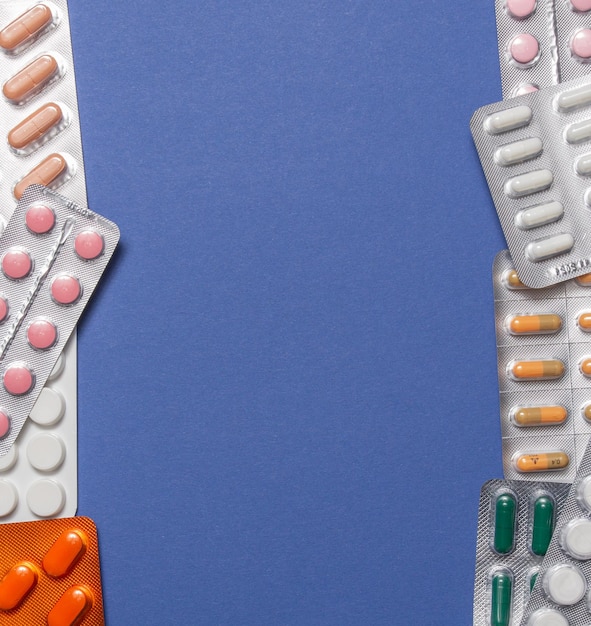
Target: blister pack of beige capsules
[(515, 524), (535, 151), (544, 369), (527, 45)]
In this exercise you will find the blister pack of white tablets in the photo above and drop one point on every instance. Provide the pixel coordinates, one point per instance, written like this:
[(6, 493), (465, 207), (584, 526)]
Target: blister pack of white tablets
[(573, 36), (544, 369), (536, 154), (515, 524), (527, 45), (52, 255)]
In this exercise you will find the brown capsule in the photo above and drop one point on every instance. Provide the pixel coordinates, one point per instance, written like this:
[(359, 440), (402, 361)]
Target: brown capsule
[(30, 79), (511, 280), (585, 367), (35, 126), (540, 462), (44, 174), (534, 324), (538, 415), (25, 26), (536, 370)]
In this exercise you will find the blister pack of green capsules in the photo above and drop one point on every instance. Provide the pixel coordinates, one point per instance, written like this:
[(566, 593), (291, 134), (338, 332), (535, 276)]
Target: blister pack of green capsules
[(515, 524)]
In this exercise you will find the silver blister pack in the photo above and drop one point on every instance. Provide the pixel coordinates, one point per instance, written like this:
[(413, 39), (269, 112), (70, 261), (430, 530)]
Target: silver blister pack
[(515, 524)]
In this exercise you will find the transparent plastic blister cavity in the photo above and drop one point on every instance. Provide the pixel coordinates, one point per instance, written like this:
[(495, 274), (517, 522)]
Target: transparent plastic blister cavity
[(515, 524)]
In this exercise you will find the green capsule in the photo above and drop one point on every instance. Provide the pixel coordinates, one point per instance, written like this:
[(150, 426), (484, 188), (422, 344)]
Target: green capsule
[(504, 539), (532, 581), (502, 591), (543, 525)]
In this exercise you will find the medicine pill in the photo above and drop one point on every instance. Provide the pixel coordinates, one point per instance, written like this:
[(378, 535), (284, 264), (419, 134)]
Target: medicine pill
[(71, 607), (532, 580), (41, 334), (40, 219), (585, 367), (65, 289), (547, 617), (565, 584), (538, 415), (549, 247), (504, 523), (584, 280), (520, 9), (89, 245), (540, 462), (528, 183), (25, 27), (31, 79), (581, 5), (536, 370), (543, 525), (511, 280), (65, 552), (583, 165), (509, 119), (584, 321), (16, 584), (501, 598), (524, 49), (539, 215), (572, 99), (18, 379), (35, 126), (578, 132), (533, 324), (518, 151), (580, 44), (16, 263), (575, 538), (45, 173)]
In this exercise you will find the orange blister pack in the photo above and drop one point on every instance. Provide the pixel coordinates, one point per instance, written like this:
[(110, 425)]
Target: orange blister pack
[(50, 573)]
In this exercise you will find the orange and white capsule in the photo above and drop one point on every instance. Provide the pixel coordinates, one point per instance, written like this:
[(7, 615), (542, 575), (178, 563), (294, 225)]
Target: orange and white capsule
[(584, 280), (585, 366), (540, 462), (535, 370), (545, 324), (538, 415), (511, 280)]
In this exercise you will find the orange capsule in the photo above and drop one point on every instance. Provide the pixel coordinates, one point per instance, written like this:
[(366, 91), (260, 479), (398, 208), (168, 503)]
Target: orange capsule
[(65, 552), (71, 608), (584, 280), (540, 462), (584, 321), (536, 370), (30, 79), (45, 173), (586, 410), (16, 584), (25, 26), (511, 280), (538, 415), (585, 366), (35, 125), (534, 324)]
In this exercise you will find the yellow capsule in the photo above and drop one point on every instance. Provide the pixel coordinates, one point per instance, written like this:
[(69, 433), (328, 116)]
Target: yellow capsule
[(536, 370), (585, 366), (584, 280), (541, 462), (534, 324), (511, 280), (538, 415)]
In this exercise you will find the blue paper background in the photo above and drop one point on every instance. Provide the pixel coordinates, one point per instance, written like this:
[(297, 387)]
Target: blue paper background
[(287, 382)]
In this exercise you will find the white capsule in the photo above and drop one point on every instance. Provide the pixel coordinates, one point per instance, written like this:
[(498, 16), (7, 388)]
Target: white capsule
[(574, 98), (518, 151), (535, 216), (526, 184), (583, 165), (549, 247), (509, 119), (579, 132)]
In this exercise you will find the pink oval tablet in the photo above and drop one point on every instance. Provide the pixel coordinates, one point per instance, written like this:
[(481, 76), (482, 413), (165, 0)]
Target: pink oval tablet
[(41, 334), (525, 88), (524, 48), (4, 424), (16, 263), (3, 308), (89, 244), (18, 379), (40, 219), (581, 5), (580, 44), (65, 289), (520, 8)]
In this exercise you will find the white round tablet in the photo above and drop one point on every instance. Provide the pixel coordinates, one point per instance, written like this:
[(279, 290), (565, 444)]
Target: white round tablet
[(564, 584), (575, 538), (584, 493), (46, 452), (547, 617), (8, 460), (49, 408), (8, 498), (58, 368), (46, 498)]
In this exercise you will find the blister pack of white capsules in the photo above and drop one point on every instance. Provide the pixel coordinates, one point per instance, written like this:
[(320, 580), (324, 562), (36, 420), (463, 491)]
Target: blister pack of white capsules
[(536, 154), (527, 45), (515, 524), (52, 254), (573, 35)]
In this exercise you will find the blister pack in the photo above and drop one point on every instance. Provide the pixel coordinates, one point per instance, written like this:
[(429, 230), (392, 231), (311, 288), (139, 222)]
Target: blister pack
[(52, 254), (536, 154), (527, 45), (573, 23), (50, 573), (515, 524)]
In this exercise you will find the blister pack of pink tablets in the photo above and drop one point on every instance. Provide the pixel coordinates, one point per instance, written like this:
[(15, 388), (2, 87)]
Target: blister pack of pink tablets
[(52, 254), (573, 29), (516, 520)]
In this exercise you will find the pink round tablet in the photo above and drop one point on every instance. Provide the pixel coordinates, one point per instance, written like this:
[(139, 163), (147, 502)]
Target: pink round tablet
[(524, 48), (16, 263), (18, 379), (520, 8), (3, 309), (580, 44), (581, 5), (525, 88), (40, 219), (89, 245), (65, 289), (4, 424), (41, 334)]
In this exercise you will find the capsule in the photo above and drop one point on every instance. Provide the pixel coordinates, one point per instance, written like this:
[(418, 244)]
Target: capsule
[(539, 215), (548, 247), (526, 184), (25, 27), (45, 173), (509, 119), (534, 324), (511, 280), (538, 415), (536, 370), (16, 584), (33, 127), (65, 552), (585, 367), (543, 525), (578, 132), (30, 79), (583, 165), (504, 528), (574, 98), (584, 280), (501, 596), (71, 608), (532, 580), (518, 151), (587, 411), (542, 462), (584, 321)]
